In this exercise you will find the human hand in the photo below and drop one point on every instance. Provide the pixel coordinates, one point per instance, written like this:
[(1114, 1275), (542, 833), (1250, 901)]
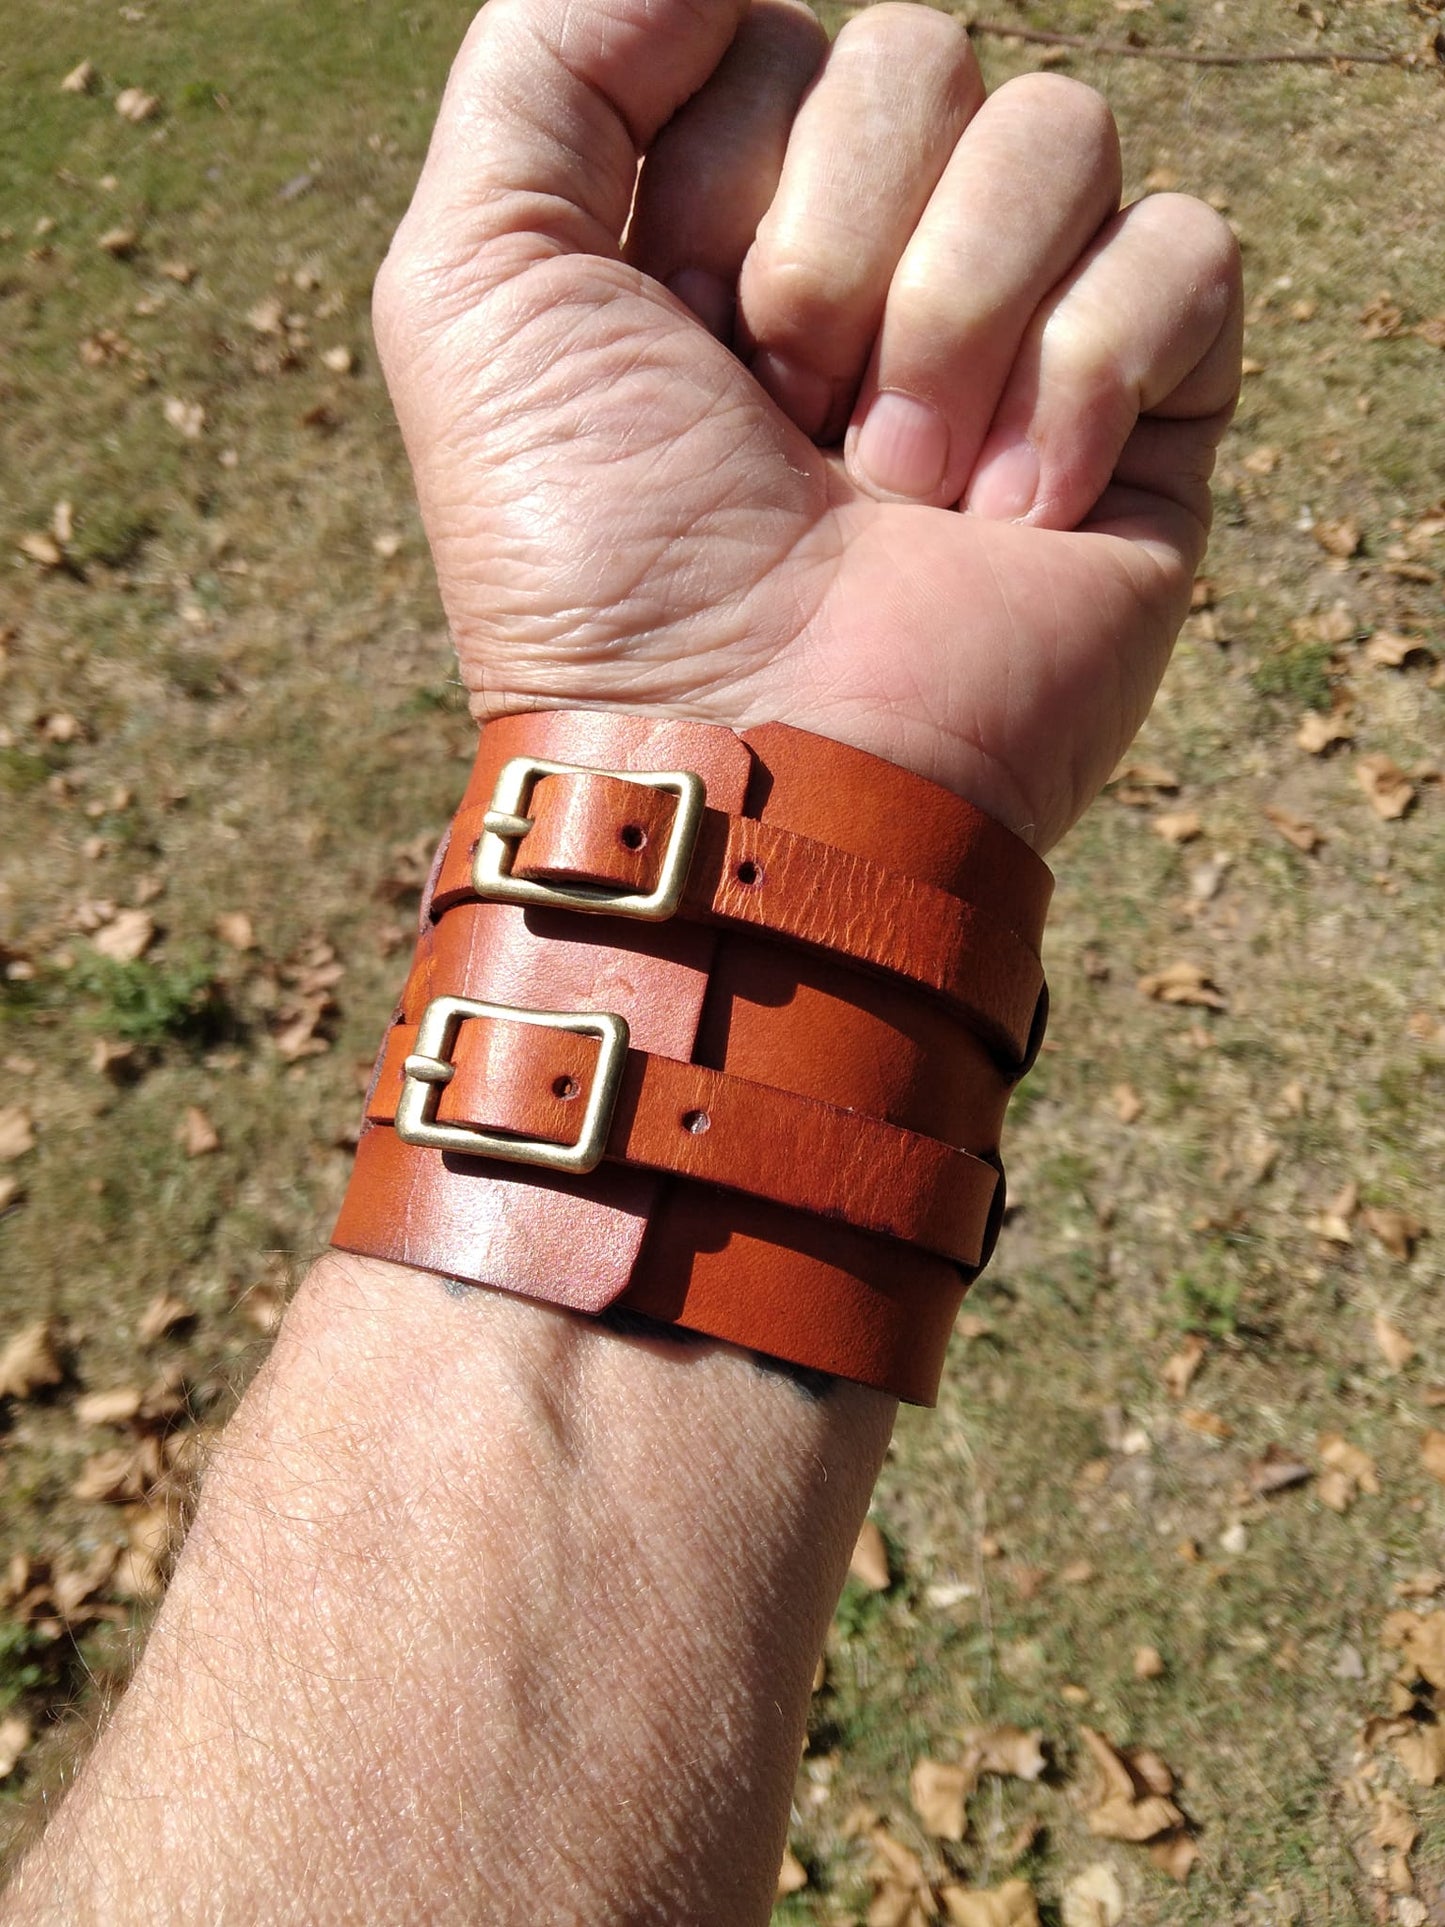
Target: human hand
[(883, 421)]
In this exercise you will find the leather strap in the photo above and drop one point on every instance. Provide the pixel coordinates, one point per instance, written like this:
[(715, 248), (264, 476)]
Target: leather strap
[(532, 1084), (802, 1153)]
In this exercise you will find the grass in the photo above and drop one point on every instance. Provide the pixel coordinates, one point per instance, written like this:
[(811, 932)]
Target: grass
[(267, 714)]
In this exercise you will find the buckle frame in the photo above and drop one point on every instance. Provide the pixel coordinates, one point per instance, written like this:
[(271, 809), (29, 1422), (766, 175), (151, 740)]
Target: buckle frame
[(429, 1067), (506, 823)]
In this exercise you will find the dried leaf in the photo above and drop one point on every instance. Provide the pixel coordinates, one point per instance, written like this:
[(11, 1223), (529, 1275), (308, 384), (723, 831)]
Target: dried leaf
[(792, 1875), (1394, 1826), (197, 1136), (869, 1564), (120, 1476), (119, 242), (41, 546), (1397, 1231), (115, 1407), (1389, 790), (1277, 1470), (1148, 1662), (1093, 1898), (1128, 1105), (71, 1587), (1125, 1808), (1178, 1372), (1388, 649), (181, 272), (1011, 1905), (1341, 538), (1395, 1348), (127, 938), (939, 1793), (1421, 1751), (81, 79), (1179, 826), (17, 1133), (1175, 1855), (1261, 461), (267, 317), (1012, 1752), (162, 1316), (14, 1738), (234, 927), (1209, 1425), (1333, 1223), (1297, 830), (1183, 983), (1421, 1639), (1144, 776), (31, 1360), (188, 418), (1381, 319), (1357, 1466), (339, 360), (1432, 1457), (135, 104), (1318, 733)]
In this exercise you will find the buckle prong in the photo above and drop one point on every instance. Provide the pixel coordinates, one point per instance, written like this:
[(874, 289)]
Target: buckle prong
[(505, 823), (430, 1066)]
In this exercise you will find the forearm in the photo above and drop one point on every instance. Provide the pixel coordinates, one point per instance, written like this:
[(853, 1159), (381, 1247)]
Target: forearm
[(483, 1602)]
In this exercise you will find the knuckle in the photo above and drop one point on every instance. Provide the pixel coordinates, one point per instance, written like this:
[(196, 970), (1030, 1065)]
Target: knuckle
[(798, 290), (1072, 103)]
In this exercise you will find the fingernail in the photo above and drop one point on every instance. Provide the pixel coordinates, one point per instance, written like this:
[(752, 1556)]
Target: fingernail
[(709, 297), (1006, 480), (902, 447), (806, 397)]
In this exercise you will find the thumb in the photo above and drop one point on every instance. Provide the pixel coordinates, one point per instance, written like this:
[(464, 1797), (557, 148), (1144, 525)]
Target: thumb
[(548, 109)]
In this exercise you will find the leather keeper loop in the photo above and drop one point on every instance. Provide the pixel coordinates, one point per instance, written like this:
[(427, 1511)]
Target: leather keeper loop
[(714, 1025)]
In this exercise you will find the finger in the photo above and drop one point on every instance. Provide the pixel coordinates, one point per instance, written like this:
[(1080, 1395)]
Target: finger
[(1024, 193), (710, 174), (547, 108), (866, 151), (1149, 323)]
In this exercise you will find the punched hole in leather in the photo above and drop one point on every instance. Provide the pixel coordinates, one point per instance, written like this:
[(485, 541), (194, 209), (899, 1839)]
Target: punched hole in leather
[(796, 959)]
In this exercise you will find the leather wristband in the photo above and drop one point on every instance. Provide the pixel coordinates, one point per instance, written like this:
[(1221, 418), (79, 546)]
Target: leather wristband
[(714, 1025)]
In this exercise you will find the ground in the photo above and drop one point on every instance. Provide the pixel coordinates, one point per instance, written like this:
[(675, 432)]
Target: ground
[(1191, 1406)]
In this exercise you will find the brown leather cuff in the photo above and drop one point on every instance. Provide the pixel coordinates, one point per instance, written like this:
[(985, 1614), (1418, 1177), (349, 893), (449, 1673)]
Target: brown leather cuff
[(716, 1025)]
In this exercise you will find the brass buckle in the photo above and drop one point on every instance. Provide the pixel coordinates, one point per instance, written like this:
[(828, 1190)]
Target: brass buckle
[(429, 1067), (506, 823)]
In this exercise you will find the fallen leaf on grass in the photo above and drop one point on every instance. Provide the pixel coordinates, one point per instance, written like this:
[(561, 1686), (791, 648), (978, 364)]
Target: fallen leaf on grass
[(12, 1191), (1012, 1752), (1179, 1370), (127, 937), (1388, 649), (72, 1586), (1394, 1826), (1397, 1231), (267, 317), (81, 79), (1148, 1663), (1131, 1799), (117, 1406), (120, 1476), (1348, 1472), (188, 418), (1317, 733), (1420, 1638), (14, 1738), (1183, 983), (1128, 1105), (939, 1792), (31, 1361), (1261, 461), (1333, 1223), (41, 547), (1297, 830), (1138, 784), (135, 104), (1175, 1855), (1209, 1425), (1432, 1457), (163, 1315), (1338, 538), (17, 1133), (1277, 1470), (869, 1564), (1387, 788), (792, 1875), (339, 360), (1395, 1348), (118, 242), (235, 928), (1011, 1905), (902, 1896), (1178, 826), (1381, 318), (197, 1136), (1093, 1898)]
